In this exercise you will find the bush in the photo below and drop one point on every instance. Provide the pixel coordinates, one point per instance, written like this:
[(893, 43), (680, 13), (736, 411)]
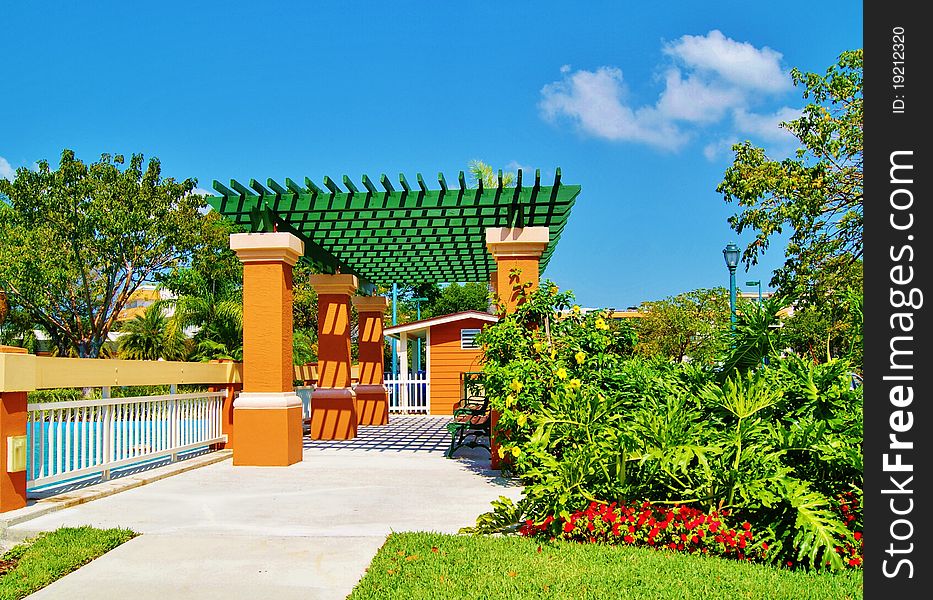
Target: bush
[(773, 442)]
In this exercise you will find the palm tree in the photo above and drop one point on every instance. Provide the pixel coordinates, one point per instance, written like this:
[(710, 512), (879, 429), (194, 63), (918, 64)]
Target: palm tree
[(480, 171), (149, 336), (219, 324)]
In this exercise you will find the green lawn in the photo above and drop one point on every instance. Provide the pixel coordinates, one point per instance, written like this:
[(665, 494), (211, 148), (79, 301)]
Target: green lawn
[(427, 565), (38, 562)]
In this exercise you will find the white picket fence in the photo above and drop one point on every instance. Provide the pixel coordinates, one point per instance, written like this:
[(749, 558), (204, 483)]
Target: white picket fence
[(408, 393), (76, 439)]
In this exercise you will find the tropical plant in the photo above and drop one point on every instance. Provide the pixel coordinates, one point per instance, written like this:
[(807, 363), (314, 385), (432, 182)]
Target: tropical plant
[(773, 442), (149, 336), (218, 323), (483, 172)]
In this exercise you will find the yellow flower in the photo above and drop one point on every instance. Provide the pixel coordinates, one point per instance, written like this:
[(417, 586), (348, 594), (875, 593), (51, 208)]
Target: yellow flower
[(509, 400), (538, 347), (501, 452), (516, 386), (601, 324), (522, 419), (580, 356), (576, 309), (561, 373), (516, 451), (575, 384)]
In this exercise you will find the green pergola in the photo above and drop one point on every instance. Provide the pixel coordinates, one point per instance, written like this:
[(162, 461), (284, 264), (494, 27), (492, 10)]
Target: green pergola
[(397, 233)]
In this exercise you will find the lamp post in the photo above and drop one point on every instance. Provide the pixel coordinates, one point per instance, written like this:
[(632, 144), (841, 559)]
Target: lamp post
[(394, 322), (418, 302), (758, 283), (731, 254)]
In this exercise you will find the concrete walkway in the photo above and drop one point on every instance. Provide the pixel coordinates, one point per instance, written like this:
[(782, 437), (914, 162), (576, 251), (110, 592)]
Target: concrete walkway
[(305, 531)]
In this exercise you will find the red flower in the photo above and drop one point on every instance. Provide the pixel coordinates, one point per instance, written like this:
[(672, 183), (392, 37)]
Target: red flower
[(858, 535), (628, 539), (714, 526), (853, 562), (568, 526), (764, 545), (746, 525)]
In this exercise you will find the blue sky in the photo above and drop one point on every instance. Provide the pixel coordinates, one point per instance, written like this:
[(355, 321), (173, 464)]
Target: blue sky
[(636, 102)]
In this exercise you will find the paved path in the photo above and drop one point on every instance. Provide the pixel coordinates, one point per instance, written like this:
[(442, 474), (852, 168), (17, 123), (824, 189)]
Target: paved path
[(305, 531)]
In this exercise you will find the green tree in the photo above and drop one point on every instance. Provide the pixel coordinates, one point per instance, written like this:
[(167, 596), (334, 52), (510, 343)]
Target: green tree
[(686, 325), (816, 195), (77, 241), (149, 337), (456, 298)]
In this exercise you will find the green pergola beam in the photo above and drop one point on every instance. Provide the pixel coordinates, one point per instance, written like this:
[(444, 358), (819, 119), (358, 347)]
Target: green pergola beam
[(384, 235)]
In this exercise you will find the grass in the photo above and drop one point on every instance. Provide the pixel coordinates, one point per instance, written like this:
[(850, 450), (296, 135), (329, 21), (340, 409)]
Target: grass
[(39, 561), (430, 565)]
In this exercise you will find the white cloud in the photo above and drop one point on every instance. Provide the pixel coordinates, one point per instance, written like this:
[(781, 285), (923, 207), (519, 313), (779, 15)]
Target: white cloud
[(594, 99), (738, 63), (515, 166), (766, 126), (6, 170), (763, 127), (695, 100), (709, 90), (202, 192)]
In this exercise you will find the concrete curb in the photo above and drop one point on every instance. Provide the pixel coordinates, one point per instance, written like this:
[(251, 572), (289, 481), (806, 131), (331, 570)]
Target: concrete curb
[(44, 506)]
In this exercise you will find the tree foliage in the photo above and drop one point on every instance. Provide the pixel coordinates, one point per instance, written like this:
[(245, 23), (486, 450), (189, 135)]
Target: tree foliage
[(684, 326), (149, 336), (77, 241), (816, 195)]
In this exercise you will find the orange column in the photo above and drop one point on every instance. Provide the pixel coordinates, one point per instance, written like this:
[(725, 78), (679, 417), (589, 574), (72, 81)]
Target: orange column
[(494, 290), (517, 252), (333, 402), (372, 398), (267, 414), (12, 424)]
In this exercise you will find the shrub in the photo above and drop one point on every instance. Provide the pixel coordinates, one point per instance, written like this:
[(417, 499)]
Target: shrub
[(773, 443)]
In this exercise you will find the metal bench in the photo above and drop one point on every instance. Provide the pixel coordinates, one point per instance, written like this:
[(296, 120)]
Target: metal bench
[(471, 419)]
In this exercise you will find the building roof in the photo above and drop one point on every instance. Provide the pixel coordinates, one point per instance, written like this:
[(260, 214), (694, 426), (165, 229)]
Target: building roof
[(428, 323), (404, 235)]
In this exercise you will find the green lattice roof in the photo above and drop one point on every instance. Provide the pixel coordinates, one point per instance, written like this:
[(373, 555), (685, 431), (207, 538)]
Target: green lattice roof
[(396, 233)]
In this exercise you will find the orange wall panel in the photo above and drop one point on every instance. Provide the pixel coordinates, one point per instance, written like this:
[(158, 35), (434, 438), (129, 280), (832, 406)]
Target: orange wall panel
[(448, 361)]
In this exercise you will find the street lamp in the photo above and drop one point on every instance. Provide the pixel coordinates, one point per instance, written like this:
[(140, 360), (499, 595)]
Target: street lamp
[(731, 254), (418, 302), (758, 283)]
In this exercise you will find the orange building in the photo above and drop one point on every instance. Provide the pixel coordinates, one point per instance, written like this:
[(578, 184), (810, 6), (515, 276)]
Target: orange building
[(451, 350)]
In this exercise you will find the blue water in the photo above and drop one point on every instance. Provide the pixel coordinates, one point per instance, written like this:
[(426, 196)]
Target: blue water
[(91, 433)]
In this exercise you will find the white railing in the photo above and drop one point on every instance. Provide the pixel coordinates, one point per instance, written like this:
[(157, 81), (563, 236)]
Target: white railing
[(76, 439), (409, 393)]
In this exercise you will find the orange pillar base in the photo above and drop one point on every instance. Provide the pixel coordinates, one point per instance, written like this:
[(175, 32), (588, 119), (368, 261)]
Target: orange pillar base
[(372, 404), (268, 430), (333, 414), (12, 422)]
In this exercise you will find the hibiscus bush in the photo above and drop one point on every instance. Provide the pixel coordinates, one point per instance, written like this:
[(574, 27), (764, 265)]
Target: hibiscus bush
[(774, 441)]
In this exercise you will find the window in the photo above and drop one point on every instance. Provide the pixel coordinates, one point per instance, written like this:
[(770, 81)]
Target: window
[(468, 339)]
